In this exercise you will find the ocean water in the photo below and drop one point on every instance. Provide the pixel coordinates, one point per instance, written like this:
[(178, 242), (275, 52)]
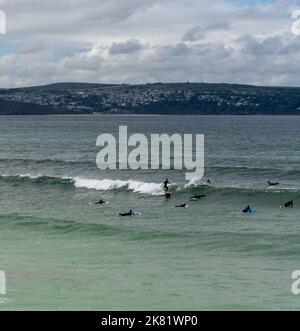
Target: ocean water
[(61, 251)]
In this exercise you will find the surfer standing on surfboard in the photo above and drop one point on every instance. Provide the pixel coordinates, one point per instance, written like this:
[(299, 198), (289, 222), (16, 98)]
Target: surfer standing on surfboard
[(165, 185)]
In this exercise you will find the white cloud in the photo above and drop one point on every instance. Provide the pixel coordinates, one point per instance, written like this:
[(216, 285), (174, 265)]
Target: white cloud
[(137, 41)]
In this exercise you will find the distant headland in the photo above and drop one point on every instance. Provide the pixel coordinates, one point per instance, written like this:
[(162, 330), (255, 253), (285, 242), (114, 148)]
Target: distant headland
[(157, 98)]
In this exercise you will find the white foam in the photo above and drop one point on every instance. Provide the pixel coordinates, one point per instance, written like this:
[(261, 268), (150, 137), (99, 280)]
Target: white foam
[(193, 183), (109, 184), (29, 176)]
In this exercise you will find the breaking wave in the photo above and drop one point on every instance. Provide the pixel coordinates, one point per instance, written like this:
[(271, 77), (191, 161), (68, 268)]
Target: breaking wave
[(94, 184), (109, 184), (135, 185)]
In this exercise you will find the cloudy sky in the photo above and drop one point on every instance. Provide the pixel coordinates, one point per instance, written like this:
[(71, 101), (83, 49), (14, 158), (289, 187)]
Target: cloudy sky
[(139, 41)]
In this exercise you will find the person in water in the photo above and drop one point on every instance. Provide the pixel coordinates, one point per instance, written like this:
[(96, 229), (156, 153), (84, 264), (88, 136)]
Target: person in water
[(247, 210), (130, 213), (272, 184), (289, 204), (101, 202), (165, 185), (208, 182), (168, 195), (184, 205), (198, 197)]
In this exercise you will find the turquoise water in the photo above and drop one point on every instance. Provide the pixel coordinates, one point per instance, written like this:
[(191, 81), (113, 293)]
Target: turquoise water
[(61, 251)]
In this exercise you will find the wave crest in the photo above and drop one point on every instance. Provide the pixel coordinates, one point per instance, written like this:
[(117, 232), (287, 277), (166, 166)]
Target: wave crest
[(139, 186), (109, 184)]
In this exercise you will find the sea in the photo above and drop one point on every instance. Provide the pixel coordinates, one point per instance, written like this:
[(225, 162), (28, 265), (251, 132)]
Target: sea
[(61, 251)]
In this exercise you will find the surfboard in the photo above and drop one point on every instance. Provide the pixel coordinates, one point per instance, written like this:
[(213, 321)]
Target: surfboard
[(136, 213)]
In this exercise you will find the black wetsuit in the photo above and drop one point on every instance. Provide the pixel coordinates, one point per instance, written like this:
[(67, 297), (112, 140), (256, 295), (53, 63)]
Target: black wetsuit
[(165, 185), (289, 204), (130, 213), (247, 210), (181, 206)]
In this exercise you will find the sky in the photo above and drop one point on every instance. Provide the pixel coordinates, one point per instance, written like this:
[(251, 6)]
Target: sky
[(146, 41)]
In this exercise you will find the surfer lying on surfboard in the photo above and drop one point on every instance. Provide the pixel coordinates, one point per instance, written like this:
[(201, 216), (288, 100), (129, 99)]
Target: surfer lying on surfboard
[(131, 213), (184, 205), (272, 184), (101, 202)]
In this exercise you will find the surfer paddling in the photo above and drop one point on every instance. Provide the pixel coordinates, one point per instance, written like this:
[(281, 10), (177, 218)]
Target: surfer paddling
[(272, 184), (130, 213), (184, 205), (100, 202)]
